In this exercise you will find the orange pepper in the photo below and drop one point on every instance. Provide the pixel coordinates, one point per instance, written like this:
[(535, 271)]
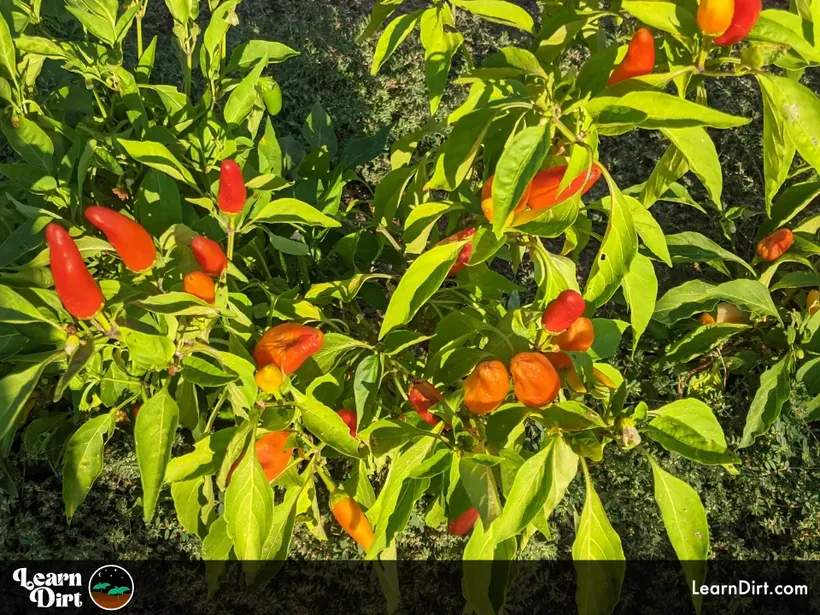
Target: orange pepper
[(774, 246), (487, 200), (288, 346), (535, 381), (579, 337), (199, 284), (639, 59), (715, 16), (486, 387), (353, 521)]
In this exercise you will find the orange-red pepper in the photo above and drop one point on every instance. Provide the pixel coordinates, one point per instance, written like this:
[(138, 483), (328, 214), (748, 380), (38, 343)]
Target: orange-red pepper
[(487, 200), (744, 18), (77, 289), (579, 337), (349, 417), (544, 188), (131, 241), (535, 381), (487, 387), (209, 255), (422, 396), (564, 310), (775, 245), (466, 251), (272, 453), (463, 523), (200, 285), (287, 345), (353, 521), (232, 192), (639, 59)]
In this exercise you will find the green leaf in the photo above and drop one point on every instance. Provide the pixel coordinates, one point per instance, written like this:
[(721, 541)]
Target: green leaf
[(789, 204), (688, 427), (249, 505), (518, 165), (205, 459), (773, 393), (149, 350), (187, 496), (388, 434), (499, 11), (702, 341), (205, 374), (479, 483), (176, 303), (293, 211), (16, 309), (98, 16), (243, 96), (778, 149), (422, 279), (157, 156), (571, 416), (685, 521), (318, 130), (699, 151), (597, 553), (667, 16), (83, 460), (154, 434), (29, 140), (618, 249), (17, 387), (8, 56), (363, 150), (562, 466), (697, 296), (158, 203), (648, 230), (769, 28), (389, 194), (325, 424), (249, 53), (382, 10), (79, 359), (402, 339), (394, 35), (692, 247), (366, 383), (440, 44), (640, 287)]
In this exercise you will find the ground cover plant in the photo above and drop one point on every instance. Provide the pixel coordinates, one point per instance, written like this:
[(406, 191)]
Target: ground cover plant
[(299, 326)]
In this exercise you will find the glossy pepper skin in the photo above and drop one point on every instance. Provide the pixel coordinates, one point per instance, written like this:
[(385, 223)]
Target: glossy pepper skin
[(423, 396), (544, 188), (744, 18), (578, 337), (535, 381), (639, 59), (349, 417), (487, 387), (288, 346), (487, 201), (200, 285), (131, 241), (272, 453), (707, 319), (564, 310), (813, 302), (269, 378), (775, 245), (232, 192), (209, 255), (77, 289), (463, 523), (715, 16), (353, 521), (466, 251)]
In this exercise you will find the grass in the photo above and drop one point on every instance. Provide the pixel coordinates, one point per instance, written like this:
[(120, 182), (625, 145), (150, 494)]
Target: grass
[(771, 510)]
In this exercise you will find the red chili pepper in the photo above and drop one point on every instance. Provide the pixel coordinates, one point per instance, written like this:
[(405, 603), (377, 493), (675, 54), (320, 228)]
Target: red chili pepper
[(131, 241), (466, 251), (464, 523), (744, 19), (209, 255), (545, 186), (287, 345), (639, 59), (349, 417), (563, 311), (77, 289), (232, 193), (422, 396)]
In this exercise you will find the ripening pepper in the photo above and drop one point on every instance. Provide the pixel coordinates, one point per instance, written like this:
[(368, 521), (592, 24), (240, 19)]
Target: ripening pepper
[(287, 345), (272, 452), (564, 310), (775, 245), (535, 381), (639, 59), (559, 360), (269, 378), (353, 521), (813, 302), (707, 319), (129, 238), (715, 16), (463, 523), (200, 285), (232, 192), (486, 387), (77, 289), (544, 188), (728, 313), (349, 417), (422, 396), (209, 255), (487, 201), (744, 18), (466, 251), (578, 337)]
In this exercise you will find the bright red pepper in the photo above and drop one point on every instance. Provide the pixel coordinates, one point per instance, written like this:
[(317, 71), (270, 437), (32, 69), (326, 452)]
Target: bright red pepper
[(463, 523), (287, 345), (77, 289), (209, 255), (131, 241), (563, 311), (422, 396), (744, 19), (545, 186), (466, 251), (775, 245), (200, 285), (349, 417), (232, 192), (639, 59)]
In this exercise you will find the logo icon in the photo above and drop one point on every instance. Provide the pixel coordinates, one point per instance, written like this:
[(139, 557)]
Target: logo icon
[(111, 587)]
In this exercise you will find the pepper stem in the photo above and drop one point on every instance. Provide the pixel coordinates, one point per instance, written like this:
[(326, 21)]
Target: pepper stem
[(103, 322), (322, 472)]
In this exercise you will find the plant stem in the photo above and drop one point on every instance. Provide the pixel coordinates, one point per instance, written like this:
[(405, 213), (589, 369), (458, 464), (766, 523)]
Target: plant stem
[(99, 103), (212, 418), (139, 32), (322, 472), (188, 70)]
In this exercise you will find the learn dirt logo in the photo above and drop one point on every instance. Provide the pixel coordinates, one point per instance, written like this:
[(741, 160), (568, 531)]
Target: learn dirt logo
[(111, 587)]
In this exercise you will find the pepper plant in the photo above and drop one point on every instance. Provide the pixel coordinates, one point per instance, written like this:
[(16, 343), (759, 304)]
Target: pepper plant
[(275, 348)]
